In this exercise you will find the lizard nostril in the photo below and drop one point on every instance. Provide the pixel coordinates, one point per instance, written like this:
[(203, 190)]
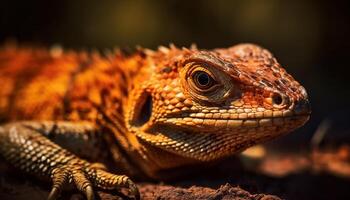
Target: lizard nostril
[(277, 99)]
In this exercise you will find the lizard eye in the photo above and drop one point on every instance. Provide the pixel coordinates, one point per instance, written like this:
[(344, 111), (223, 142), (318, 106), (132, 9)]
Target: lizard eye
[(205, 83), (203, 80)]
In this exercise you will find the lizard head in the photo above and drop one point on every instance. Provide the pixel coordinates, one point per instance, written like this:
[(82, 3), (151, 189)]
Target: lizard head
[(205, 105)]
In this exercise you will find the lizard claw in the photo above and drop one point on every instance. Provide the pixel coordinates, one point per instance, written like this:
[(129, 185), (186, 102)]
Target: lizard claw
[(89, 192), (54, 194), (87, 177)]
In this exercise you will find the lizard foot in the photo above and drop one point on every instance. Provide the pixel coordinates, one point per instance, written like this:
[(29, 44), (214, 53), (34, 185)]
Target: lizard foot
[(85, 178)]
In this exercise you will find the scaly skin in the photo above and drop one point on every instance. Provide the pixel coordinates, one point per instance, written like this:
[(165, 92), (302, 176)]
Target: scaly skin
[(152, 110)]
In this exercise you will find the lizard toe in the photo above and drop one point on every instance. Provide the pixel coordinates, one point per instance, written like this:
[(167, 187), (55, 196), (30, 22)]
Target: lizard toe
[(59, 179), (83, 183), (109, 181), (88, 176)]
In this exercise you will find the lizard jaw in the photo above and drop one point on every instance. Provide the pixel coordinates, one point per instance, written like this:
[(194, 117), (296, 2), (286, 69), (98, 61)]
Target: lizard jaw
[(211, 136), (207, 145)]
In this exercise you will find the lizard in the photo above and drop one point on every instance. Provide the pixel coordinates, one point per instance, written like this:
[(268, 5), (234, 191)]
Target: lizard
[(65, 114)]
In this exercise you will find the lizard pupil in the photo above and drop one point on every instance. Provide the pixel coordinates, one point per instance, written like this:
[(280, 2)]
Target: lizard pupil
[(203, 79)]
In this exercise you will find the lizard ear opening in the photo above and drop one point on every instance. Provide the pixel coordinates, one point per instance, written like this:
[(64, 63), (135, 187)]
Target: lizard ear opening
[(145, 112)]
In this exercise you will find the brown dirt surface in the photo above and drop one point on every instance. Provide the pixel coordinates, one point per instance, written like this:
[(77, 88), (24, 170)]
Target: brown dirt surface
[(225, 192), (19, 188), (319, 174)]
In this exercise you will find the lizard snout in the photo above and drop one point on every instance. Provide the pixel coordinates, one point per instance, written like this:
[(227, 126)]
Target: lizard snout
[(302, 107)]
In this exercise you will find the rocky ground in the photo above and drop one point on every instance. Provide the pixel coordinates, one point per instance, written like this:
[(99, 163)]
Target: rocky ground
[(320, 174)]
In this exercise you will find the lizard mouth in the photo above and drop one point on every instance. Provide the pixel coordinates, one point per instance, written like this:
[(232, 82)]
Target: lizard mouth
[(225, 124), (249, 117), (212, 139), (206, 136)]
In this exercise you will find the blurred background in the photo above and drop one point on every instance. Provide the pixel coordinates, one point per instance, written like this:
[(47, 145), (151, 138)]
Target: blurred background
[(311, 40)]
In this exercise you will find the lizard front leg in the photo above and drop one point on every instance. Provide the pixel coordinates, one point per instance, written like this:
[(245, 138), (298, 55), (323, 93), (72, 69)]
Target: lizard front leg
[(27, 145)]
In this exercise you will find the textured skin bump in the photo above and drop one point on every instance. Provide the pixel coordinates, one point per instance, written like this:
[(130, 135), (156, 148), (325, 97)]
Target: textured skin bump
[(150, 101)]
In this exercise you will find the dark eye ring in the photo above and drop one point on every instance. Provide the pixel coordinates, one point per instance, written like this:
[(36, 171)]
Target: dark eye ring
[(203, 80)]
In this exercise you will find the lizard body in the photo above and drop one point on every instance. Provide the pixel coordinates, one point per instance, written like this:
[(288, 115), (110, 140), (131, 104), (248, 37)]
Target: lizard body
[(152, 110)]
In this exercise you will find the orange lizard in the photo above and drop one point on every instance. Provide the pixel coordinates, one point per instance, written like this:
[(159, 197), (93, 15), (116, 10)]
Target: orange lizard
[(64, 113)]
